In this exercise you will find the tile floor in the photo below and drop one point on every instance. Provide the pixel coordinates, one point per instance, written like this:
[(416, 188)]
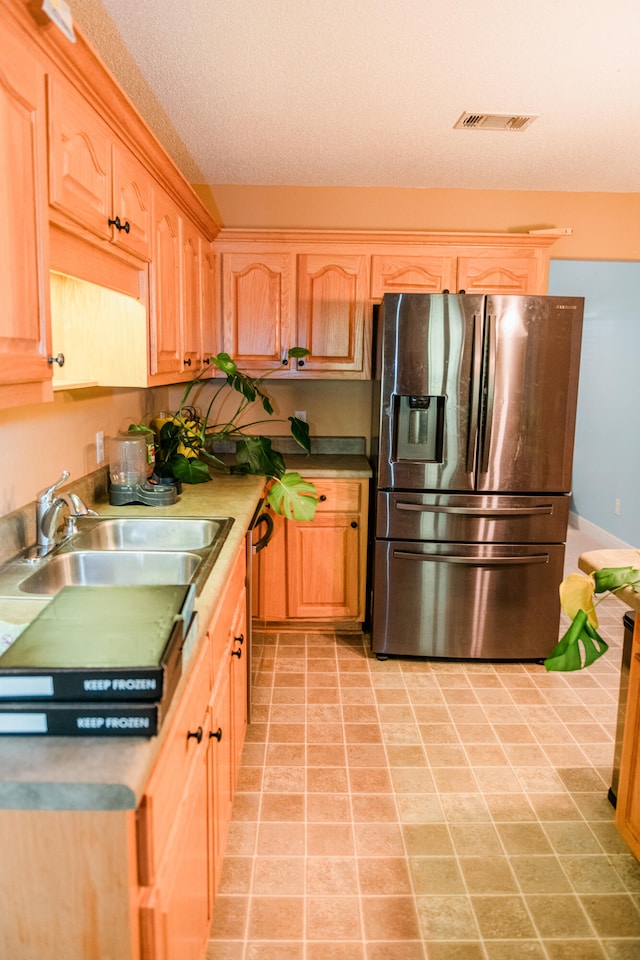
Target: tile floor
[(415, 810)]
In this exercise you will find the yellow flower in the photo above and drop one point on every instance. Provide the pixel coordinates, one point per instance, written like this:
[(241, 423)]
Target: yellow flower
[(576, 593)]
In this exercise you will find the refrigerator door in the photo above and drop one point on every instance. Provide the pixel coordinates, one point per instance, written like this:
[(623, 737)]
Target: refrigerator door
[(531, 355), (430, 380), (466, 601)]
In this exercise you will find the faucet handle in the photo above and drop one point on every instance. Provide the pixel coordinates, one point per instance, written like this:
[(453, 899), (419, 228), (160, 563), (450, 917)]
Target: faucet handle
[(46, 495)]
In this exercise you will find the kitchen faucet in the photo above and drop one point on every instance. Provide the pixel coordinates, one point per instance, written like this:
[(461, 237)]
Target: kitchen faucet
[(49, 506)]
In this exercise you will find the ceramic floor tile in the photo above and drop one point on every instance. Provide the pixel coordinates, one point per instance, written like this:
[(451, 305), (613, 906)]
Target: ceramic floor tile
[(425, 810)]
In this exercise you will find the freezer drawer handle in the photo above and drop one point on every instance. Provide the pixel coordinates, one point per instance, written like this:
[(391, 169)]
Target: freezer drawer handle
[(472, 561), (546, 508)]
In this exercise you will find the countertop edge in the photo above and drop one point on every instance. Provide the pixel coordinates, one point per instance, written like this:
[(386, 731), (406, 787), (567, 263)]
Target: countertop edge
[(594, 560)]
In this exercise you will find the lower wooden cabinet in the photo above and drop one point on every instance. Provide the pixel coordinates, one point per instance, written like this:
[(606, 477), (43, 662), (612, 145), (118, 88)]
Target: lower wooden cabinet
[(628, 804), (316, 570), (185, 813)]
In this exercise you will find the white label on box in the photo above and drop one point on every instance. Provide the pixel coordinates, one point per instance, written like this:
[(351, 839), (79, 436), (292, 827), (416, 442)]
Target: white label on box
[(11, 687), (23, 722)]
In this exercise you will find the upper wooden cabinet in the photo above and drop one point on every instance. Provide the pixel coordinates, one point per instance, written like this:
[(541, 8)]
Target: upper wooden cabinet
[(332, 314), (93, 179), (316, 289), (25, 374)]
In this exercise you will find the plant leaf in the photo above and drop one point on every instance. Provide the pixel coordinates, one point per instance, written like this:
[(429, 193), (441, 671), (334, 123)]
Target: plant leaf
[(224, 362), (300, 432), (189, 470), (298, 352), (293, 497), (576, 593), (567, 654), (257, 455), (613, 578)]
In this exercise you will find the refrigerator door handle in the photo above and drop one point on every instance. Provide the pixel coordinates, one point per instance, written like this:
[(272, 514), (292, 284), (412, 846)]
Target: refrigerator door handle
[(474, 391), (488, 391), (472, 561), (546, 508)]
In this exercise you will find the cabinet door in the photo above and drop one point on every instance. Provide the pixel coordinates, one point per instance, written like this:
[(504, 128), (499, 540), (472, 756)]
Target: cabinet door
[(191, 305), (210, 319), (165, 289), (239, 655), (323, 567), (175, 913), (257, 309), (24, 276), (333, 314), (516, 275), (220, 759), (132, 193), (79, 160), (411, 274), (628, 806)]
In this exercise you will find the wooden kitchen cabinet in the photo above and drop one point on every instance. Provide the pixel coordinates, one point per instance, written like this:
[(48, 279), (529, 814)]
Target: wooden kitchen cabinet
[(333, 314), (316, 570), (397, 273), (258, 303), (94, 180), (628, 800), (25, 374), (514, 275), (275, 300)]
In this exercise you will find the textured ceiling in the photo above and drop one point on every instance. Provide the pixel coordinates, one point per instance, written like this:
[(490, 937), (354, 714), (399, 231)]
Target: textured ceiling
[(366, 92)]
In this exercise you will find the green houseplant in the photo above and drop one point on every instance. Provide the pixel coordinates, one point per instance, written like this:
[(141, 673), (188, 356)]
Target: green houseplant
[(581, 645), (186, 442)]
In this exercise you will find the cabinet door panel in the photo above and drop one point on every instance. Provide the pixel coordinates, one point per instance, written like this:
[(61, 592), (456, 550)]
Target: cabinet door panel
[(323, 567), (211, 344), (165, 288), (492, 275), (132, 192), (24, 333), (79, 160), (406, 274), (220, 774), (332, 301), (257, 308), (191, 306)]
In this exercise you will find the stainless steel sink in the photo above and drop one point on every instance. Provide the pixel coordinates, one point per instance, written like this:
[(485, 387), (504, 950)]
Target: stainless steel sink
[(121, 551), (93, 568), (148, 533)]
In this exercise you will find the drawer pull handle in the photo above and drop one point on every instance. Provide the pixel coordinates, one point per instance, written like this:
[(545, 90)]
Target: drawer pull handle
[(354, 524), (119, 225), (322, 497), (187, 361), (239, 639), (217, 734), (196, 734), (59, 360), (236, 653)]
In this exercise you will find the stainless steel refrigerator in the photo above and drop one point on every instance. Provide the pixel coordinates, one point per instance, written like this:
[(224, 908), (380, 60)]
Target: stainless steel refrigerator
[(473, 447)]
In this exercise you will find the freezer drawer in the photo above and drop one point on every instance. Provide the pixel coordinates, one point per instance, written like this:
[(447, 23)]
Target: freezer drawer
[(466, 601), (472, 518)]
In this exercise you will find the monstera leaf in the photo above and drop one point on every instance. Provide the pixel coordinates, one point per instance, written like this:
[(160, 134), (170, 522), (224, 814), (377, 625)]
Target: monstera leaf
[(293, 497)]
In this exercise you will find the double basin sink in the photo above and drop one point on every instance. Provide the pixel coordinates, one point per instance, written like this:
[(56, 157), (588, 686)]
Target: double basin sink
[(122, 551)]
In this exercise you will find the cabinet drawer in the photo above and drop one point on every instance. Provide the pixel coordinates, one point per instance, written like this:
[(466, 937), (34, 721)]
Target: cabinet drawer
[(171, 772), (340, 496)]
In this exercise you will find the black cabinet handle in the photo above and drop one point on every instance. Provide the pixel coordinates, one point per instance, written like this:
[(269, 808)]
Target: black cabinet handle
[(239, 639), (59, 360), (236, 653), (217, 734), (119, 225), (196, 734), (187, 362), (301, 363), (354, 524), (322, 497), (285, 361)]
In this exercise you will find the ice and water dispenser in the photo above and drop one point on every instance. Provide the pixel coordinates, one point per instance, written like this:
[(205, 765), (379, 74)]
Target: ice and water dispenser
[(418, 427)]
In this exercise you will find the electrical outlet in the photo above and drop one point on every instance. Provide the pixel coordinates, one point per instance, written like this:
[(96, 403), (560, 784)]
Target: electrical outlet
[(300, 414), (99, 447), (618, 507)]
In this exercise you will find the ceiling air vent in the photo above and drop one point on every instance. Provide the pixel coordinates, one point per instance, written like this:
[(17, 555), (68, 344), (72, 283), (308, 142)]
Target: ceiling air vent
[(493, 121)]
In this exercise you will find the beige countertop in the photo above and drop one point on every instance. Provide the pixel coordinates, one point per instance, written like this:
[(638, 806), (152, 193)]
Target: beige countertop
[(598, 559), (94, 773)]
